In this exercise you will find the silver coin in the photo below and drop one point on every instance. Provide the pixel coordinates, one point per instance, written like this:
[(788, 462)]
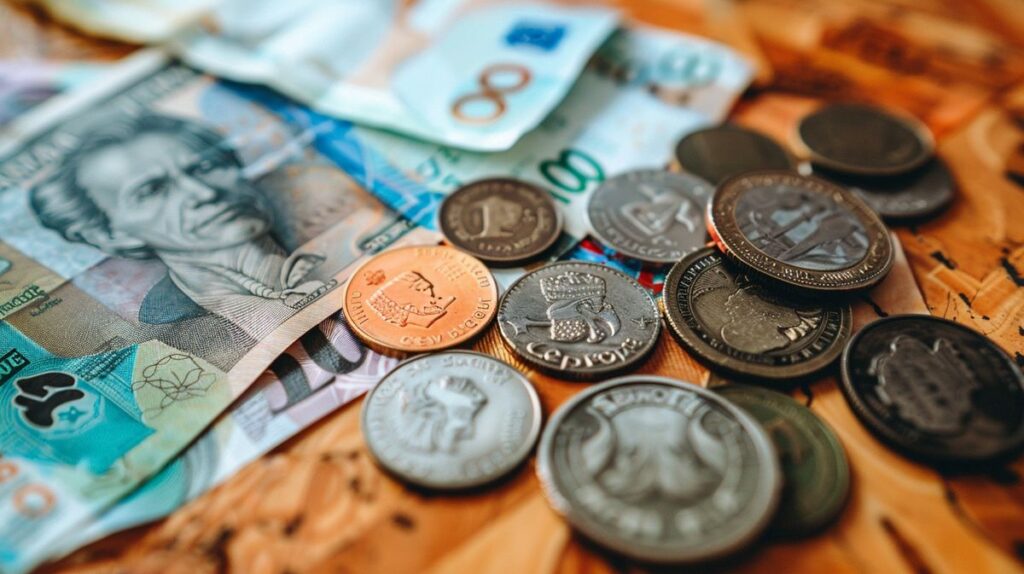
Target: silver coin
[(659, 470), (651, 215), (579, 320), (451, 420)]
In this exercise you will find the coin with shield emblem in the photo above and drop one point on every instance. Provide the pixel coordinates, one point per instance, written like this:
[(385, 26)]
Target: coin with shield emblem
[(935, 390), (451, 420), (501, 221), (579, 320), (651, 215), (659, 470)]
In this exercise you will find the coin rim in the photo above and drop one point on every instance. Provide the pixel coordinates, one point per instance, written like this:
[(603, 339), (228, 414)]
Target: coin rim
[(515, 461), (892, 438), (629, 253), (765, 449), (729, 126), (717, 360), (501, 261), (389, 349), (726, 234), (899, 217), (824, 514), (912, 124), (579, 374)]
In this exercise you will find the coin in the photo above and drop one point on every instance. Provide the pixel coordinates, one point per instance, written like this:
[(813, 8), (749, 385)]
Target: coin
[(659, 470), (718, 153), (417, 299), (860, 139), (579, 320), (501, 221), (651, 215), (800, 231), (734, 323), (451, 420), (935, 390), (814, 467), (910, 197)]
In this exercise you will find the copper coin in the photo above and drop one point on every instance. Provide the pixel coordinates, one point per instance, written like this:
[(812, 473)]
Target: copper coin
[(502, 221), (418, 299)]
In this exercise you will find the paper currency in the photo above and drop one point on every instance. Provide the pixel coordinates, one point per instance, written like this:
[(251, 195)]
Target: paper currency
[(27, 83), (163, 237), (474, 74), (324, 370)]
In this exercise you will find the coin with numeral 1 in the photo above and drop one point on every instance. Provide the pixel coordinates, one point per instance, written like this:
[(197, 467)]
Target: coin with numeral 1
[(451, 420), (660, 470), (418, 299), (801, 232), (579, 320), (650, 215), (501, 221), (735, 323)]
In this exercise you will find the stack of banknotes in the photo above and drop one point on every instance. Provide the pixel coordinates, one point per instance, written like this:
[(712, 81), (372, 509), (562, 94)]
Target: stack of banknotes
[(175, 229)]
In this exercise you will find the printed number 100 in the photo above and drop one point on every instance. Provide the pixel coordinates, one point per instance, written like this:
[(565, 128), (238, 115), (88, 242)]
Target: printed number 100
[(572, 171)]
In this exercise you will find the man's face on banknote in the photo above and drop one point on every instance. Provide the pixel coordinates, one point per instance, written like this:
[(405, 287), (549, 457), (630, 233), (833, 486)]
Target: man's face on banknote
[(159, 184)]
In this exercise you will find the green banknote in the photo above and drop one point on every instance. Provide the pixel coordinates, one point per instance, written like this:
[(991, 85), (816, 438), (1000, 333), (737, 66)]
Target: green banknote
[(164, 236)]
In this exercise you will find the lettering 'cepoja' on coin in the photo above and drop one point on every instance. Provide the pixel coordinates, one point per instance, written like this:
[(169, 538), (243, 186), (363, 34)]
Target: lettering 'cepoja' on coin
[(418, 299), (800, 231), (734, 323), (860, 139), (451, 420), (502, 221), (651, 215), (935, 390), (579, 320), (659, 470), (720, 152)]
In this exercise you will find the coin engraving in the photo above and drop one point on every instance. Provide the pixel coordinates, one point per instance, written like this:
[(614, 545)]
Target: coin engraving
[(578, 319), (659, 470), (935, 389), (650, 215), (735, 323), (409, 299), (451, 420)]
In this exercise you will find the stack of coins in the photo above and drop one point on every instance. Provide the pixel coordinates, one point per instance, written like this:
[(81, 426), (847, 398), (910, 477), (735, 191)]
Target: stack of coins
[(762, 262)]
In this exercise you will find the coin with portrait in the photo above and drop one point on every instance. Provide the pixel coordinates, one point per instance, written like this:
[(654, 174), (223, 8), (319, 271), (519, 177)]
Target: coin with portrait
[(451, 420), (419, 298), (720, 152), (651, 215), (800, 231), (860, 139), (501, 221), (736, 324), (935, 390), (659, 470), (909, 197), (579, 320), (816, 474)]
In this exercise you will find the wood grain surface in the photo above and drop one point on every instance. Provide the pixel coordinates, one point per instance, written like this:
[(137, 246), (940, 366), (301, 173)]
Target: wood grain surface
[(318, 504)]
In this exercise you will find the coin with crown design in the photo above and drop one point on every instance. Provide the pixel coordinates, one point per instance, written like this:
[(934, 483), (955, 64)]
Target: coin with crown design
[(935, 390), (579, 320), (451, 420), (734, 323)]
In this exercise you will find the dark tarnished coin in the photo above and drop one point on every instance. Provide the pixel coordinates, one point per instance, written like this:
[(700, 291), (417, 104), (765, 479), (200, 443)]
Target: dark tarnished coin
[(910, 197), (736, 324), (451, 420), (800, 231), (718, 153), (651, 215), (579, 320), (500, 221), (935, 390), (816, 475), (860, 139), (659, 470)]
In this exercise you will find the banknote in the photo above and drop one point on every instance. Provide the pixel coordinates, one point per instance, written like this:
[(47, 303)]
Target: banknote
[(27, 83), (474, 74), (319, 373), (164, 236)]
